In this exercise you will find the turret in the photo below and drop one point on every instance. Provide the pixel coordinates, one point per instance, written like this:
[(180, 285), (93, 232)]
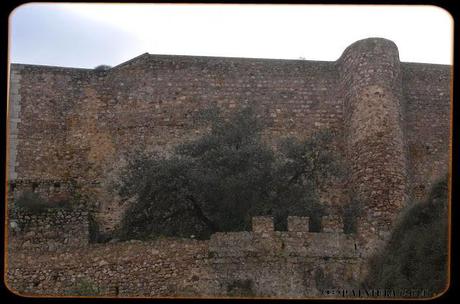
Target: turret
[(370, 83)]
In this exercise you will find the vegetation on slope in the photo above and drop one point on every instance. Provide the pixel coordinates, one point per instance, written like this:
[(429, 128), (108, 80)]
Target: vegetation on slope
[(416, 255)]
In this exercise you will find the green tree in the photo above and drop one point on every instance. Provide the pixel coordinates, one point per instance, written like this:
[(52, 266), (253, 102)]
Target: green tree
[(220, 180), (416, 254), (302, 165)]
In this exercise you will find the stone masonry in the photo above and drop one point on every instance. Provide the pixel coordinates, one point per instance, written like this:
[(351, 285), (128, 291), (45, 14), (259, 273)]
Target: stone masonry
[(70, 129), (262, 263)]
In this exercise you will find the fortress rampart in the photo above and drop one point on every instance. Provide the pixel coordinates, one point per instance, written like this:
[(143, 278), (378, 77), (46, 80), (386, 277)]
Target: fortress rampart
[(261, 262), (69, 130), (391, 118)]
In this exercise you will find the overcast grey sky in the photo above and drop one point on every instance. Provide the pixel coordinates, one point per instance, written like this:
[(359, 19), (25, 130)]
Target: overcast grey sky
[(87, 35)]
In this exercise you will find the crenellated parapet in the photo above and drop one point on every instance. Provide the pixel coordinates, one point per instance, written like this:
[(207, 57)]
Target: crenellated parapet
[(70, 226), (298, 257), (298, 240), (329, 223)]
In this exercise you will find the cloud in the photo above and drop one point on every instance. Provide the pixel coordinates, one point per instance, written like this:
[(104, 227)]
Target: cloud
[(91, 34), (52, 36)]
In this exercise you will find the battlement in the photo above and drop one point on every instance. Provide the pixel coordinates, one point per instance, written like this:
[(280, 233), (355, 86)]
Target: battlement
[(24, 223), (298, 240), (269, 262), (329, 223)]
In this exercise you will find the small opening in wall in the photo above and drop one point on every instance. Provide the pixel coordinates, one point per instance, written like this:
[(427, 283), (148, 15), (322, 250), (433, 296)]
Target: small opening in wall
[(34, 187), (57, 185), (12, 186)]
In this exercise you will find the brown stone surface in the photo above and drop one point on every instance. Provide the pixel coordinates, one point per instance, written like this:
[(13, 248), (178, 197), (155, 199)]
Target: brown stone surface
[(70, 128), (49, 230), (392, 118), (265, 262)]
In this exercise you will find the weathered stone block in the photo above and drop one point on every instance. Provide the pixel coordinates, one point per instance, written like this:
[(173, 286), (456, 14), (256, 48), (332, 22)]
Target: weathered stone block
[(298, 223), (262, 224), (332, 223)]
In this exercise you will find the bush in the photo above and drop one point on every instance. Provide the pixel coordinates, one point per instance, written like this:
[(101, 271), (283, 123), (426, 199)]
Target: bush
[(416, 254), (220, 180), (32, 202), (102, 67)]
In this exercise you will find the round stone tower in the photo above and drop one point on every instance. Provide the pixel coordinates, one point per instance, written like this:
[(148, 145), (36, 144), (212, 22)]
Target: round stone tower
[(370, 83)]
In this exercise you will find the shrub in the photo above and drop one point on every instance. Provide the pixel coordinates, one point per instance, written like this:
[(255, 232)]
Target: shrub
[(32, 202), (102, 67), (219, 181), (416, 254)]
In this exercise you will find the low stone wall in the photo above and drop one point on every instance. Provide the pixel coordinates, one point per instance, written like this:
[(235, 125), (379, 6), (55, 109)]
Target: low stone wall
[(294, 263), (49, 230), (262, 263), (166, 267)]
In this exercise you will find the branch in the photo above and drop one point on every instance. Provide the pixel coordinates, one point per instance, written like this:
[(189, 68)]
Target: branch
[(175, 213), (199, 213)]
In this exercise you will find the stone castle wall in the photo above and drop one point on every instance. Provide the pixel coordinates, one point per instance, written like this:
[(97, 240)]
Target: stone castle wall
[(149, 104), (50, 230), (427, 92), (45, 97), (391, 119), (69, 130), (264, 262)]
